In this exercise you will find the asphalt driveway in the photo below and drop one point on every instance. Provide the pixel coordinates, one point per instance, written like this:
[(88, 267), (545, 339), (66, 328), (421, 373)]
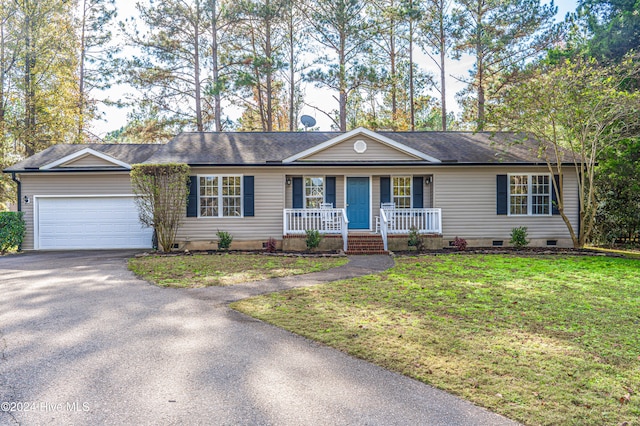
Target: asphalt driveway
[(84, 342)]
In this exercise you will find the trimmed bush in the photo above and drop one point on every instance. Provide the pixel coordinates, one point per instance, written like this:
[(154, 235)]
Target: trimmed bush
[(12, 229), (416, 240), (224, 240), (313, 239), (519, 237)]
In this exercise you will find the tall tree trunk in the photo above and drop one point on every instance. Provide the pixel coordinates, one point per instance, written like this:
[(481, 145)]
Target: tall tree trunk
[(269, 82), (443, 83), (292, 73), (81, 97), (480, 92), (480, 69), (2, 83), (29, 87), (196, 68), (217, 109), (258, 85), (394, 71), (343, 84), (412, 106)]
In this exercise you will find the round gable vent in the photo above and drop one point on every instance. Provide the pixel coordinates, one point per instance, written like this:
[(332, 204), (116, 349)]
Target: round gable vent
[(360, 146)]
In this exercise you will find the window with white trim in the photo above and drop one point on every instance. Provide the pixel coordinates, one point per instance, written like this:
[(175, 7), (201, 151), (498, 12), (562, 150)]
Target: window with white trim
[(530, 195), (313, 192), (220, 196), (401, 186)]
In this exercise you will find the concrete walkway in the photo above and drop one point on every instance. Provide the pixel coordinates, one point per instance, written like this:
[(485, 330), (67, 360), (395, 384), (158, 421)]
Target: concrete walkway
[(357, 266), (83, 342)]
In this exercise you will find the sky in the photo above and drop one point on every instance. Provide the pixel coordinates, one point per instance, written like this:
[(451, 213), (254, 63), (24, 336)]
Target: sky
[(115, 118)]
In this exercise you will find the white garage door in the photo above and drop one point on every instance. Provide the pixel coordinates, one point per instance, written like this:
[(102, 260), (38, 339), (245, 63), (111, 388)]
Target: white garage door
[(90, 223)]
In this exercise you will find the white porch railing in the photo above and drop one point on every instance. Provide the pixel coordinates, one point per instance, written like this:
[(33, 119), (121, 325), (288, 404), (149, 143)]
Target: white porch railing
[(401, 221), (324, 220)]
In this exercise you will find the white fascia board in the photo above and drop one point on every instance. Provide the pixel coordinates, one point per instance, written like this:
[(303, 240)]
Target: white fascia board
[(366, 132), (82, 153)]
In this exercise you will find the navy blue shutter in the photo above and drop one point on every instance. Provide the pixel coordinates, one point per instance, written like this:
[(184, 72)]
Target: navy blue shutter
[(501, 189), (554, 199), (418, 192), (330, 187), (249, 196), (192, 200), (298, 199), (385, 189)]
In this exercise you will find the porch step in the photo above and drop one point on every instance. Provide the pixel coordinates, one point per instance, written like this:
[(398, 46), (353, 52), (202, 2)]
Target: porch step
[(365, 244)]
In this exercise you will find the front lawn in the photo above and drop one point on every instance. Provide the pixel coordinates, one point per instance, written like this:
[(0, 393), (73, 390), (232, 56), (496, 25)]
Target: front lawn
[(225, 269), (542, 340)]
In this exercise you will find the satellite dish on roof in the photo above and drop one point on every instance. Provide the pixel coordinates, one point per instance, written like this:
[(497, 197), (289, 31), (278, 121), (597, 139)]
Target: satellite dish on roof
[(307, 121)]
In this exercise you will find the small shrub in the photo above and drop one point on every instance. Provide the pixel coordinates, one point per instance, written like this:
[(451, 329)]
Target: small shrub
[(271, 245), (224, 240), (313, 238), (416, 240), (460, 244), (12, 229), (519, 237)]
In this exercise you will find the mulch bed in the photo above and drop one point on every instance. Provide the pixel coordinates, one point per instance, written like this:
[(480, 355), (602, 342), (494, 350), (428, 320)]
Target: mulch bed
[(529, 251), (246, 252)]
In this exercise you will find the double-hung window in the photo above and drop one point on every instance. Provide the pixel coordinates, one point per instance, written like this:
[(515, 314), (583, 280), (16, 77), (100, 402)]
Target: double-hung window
[(530, 195), (313, 192), (220, 196), (401, 186)]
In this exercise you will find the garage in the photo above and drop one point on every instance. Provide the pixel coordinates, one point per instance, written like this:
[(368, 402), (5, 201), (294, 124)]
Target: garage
[(89, 223)]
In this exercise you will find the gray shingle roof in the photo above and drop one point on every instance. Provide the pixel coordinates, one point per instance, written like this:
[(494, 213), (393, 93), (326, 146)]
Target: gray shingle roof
[(468, 147), (263, 147), (237, 147), (256, 148), (128, 153)]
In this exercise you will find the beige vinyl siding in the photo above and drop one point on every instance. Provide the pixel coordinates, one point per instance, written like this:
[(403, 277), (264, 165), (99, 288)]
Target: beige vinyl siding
[(68, 184), (89, 161), (467, 197), (428, 194), (375, 198), (269, 190), (344, 151)]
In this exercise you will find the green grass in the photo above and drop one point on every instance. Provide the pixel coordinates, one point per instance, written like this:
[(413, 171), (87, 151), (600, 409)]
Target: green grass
[(542, 340), (226, 269)]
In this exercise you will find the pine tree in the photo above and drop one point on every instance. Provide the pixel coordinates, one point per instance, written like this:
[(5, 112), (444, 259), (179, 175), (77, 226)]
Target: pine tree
[(501, 35), (436, 30), (95, 68), (170, 74), (341, 27)]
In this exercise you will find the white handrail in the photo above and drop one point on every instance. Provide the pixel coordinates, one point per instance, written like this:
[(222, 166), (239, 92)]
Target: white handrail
[(345, 230), (384, 225)]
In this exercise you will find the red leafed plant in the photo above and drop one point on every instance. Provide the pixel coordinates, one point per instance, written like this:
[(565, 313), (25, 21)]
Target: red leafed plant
[(460, 244)]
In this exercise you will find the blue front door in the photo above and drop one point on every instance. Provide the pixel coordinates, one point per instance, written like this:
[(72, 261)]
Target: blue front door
[(358, 202)]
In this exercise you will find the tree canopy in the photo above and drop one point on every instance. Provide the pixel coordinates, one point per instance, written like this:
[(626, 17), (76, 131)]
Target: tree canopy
[(577, 111)]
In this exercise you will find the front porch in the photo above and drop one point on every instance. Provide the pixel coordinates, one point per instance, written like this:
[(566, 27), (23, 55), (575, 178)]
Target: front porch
[(391, 224)]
